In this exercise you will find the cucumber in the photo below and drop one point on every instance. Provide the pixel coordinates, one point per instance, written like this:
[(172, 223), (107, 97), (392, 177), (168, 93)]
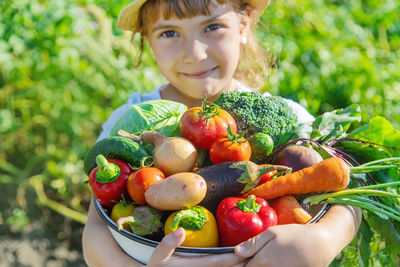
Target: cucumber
[(115, 147), (221, 183)]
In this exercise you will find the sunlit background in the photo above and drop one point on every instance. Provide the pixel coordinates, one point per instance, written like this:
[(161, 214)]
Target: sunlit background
[(64, 67)]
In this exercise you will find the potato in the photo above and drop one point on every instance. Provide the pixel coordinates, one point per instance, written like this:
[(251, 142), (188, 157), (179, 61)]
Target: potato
[(179, 191)]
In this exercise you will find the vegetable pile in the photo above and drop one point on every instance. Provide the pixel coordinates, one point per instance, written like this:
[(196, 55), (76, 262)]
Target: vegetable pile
[(167, 166)]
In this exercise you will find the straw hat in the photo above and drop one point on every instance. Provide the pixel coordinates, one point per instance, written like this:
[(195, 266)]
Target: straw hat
[(128, 17)]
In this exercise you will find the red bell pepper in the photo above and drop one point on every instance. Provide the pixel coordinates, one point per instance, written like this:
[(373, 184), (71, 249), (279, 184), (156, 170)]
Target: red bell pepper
[(240, 219), (108, 180)]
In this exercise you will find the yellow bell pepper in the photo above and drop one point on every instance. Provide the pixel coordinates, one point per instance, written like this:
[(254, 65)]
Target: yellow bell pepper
[(200, 226)]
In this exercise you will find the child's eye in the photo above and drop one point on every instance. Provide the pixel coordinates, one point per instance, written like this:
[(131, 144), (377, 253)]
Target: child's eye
[(169, 34), (213, 27)]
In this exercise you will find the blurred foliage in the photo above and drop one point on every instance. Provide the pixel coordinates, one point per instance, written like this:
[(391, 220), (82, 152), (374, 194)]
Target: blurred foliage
[(330, 54), (64, 67)]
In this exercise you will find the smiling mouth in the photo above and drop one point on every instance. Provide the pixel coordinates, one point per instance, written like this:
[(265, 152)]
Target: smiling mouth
[(199, 75)]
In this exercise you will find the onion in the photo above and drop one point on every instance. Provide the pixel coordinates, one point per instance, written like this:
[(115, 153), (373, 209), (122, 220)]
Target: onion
[(171, 154)]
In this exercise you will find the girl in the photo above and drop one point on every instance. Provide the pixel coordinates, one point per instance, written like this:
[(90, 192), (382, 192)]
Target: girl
[(198, 46)]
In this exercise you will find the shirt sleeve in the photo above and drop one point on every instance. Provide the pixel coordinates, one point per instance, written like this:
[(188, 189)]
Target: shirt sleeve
[(112, 120), (303, 116), (117, 114)]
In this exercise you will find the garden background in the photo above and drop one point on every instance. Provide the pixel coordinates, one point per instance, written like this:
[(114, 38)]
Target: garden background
[(64, 67)]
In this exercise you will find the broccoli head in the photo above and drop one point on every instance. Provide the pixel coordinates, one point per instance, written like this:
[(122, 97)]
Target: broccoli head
[(254, 113)]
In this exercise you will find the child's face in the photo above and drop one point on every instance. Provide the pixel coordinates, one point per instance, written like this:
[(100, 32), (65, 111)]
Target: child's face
[(199, 55)]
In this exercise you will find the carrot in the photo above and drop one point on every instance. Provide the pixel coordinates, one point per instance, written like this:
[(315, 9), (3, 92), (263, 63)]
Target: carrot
[(290, 211), (329, 175)]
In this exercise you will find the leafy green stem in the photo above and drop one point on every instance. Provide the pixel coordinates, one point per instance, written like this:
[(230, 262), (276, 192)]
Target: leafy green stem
[(380, 185), (379, 161), (372, 202), (361, 204), (334, 142), (348, 192), (377, 165), (209, 109)]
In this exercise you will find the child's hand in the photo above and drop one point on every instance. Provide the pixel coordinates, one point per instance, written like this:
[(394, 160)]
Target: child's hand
[(303, 245), (288, 245), (162, 255), (100, 249)]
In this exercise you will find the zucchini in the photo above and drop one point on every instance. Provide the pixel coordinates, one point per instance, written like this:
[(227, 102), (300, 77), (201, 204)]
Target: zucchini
[(115, 147)]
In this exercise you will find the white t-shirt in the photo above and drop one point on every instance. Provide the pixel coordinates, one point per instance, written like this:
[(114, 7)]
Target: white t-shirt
[(303, 115)]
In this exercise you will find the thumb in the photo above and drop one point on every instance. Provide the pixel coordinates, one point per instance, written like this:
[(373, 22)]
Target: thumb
[(167, 246), (253, 245)]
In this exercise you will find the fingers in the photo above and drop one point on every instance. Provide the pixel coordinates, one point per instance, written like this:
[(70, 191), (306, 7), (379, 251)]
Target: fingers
[(218, 260), (162, 255), (166, 247), (253, 245), (241, 264)]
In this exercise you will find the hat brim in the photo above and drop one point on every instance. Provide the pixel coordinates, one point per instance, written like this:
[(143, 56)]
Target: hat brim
[(128, 17), (259, 6)]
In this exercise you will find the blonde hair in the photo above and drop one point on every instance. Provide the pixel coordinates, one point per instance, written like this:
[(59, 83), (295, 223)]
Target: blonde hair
[(253, 68)]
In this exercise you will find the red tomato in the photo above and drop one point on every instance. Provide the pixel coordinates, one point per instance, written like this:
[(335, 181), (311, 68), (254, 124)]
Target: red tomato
[(267, 177), (226, 150), (202, 134), (139, 181)]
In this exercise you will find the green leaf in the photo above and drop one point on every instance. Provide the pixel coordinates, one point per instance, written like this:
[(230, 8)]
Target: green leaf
[(381, 132), (155, 115), (363, 239), (333, 125), (18, 219), (302, 130), (375, 140), (387, 230), (252, 173), (6, 120)]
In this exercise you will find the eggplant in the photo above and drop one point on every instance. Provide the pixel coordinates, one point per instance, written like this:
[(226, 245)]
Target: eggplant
[(221, 183)]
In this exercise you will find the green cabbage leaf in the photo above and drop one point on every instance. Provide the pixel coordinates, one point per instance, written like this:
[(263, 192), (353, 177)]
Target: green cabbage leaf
[(154, 115)]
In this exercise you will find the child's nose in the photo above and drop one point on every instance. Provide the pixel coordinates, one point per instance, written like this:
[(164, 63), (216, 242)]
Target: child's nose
[(196, 51)]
